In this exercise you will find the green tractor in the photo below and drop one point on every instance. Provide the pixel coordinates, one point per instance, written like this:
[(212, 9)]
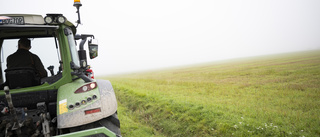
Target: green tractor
[(69, 102)]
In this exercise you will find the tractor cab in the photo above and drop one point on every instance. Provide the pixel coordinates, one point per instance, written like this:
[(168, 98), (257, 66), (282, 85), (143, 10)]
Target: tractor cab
[(42, 41), (46, 36)]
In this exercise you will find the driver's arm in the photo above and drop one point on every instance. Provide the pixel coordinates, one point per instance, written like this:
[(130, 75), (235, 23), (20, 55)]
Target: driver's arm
[(39, 67)]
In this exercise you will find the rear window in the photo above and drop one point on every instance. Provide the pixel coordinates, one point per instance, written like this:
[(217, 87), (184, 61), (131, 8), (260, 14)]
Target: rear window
[(44, 48)]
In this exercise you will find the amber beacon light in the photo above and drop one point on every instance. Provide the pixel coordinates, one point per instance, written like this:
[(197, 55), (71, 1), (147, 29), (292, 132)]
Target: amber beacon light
[(77, 2)]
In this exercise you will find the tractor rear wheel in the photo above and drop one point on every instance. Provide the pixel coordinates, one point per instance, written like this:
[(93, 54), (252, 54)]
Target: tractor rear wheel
[(112, 123)]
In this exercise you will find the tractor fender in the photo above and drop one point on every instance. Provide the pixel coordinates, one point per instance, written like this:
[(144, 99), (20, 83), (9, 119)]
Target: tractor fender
[(105, 105)]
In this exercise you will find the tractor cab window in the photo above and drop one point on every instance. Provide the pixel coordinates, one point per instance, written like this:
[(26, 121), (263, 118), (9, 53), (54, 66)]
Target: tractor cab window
[(44, 48)]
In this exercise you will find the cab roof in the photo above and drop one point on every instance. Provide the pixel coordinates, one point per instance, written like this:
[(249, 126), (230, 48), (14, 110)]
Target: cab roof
[(28, 18), (27, 25)]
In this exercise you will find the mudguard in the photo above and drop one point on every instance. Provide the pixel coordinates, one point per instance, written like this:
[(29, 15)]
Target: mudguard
[(70, 117)]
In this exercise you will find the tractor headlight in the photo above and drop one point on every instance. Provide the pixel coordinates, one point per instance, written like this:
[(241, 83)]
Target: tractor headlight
[(61, 19), (48, 19), (54, 19)]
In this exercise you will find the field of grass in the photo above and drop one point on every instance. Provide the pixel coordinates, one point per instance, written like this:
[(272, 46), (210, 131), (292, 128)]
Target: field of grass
[(275, 95)]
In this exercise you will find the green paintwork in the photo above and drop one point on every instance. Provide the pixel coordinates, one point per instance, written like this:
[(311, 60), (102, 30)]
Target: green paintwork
[(89, 132), (67, 92)]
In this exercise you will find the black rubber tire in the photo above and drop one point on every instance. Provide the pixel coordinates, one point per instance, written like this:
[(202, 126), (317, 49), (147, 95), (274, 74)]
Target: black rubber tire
[(112, 123)]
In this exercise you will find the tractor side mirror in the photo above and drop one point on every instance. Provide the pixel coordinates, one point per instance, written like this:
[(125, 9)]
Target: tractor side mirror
[(93, 48)]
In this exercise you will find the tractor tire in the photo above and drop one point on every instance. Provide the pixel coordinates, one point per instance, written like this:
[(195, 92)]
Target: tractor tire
[(112, 123)]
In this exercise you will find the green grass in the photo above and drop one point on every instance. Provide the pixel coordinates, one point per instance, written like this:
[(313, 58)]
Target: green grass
[(264, 96), (131, 128)]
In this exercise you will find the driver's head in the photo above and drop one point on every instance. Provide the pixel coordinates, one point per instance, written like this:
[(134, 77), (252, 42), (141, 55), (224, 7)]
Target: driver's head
[(24, 43)]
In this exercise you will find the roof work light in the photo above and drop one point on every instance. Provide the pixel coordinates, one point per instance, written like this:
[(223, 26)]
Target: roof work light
[(48, 19), (54, 19), (61, 19)]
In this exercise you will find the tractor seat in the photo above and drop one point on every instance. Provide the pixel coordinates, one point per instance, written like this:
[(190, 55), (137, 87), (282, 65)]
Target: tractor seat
[(21, 77)]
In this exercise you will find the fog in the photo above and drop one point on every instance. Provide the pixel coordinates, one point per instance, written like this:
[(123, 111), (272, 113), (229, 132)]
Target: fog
[(142, 35)]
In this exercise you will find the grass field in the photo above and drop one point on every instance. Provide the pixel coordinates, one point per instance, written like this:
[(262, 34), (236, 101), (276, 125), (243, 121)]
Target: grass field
[(276, 95)]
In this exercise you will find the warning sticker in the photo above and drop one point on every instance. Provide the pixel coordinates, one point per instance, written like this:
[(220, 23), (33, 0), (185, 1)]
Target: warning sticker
[(63, 106)]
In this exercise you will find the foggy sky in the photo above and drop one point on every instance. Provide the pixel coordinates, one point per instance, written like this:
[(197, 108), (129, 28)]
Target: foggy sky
[(144, 34)]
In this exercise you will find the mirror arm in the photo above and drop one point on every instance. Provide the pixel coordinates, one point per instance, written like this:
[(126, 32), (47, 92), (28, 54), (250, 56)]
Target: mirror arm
[(82, 76), (82, 43)]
